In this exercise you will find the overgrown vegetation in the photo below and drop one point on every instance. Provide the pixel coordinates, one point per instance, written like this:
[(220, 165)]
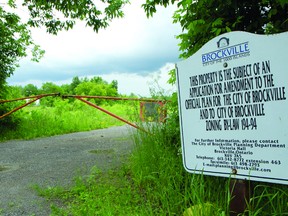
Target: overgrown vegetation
[(154, 182), (54, 115), (63, 118), (11, 122), (205, 19)]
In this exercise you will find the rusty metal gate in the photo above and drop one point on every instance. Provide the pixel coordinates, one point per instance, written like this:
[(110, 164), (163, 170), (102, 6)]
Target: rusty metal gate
[(145, 106)]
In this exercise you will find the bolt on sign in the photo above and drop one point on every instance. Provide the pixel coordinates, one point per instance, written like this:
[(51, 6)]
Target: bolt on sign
[(233, 106)]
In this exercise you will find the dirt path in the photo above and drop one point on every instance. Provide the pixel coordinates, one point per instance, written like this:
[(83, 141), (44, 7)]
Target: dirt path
[(54, 161)]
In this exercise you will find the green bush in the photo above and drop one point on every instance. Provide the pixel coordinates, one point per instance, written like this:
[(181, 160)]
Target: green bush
[(10, 122), (64, 117)]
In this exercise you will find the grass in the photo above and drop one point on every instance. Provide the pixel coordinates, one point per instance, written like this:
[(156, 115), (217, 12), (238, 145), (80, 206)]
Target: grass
[(108, 193), (152, 180), (102, 151), (64, 118), (269, 199), (3, 168)]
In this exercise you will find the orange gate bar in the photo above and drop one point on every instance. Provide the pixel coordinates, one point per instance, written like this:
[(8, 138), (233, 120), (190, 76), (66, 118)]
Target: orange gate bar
[(116, 98), (80, 97), (109, 113), (37, 97)]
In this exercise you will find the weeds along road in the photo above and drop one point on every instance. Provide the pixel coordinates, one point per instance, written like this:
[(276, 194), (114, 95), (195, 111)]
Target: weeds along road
[(55, 161)]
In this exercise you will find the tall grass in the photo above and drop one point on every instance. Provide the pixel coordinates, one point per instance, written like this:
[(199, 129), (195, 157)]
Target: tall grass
[(64, 117), (268, 199), (157, 170), (152, 181)]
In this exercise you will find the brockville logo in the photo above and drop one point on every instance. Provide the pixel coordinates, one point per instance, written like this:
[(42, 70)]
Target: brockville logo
[(225, 51), (223, 42)]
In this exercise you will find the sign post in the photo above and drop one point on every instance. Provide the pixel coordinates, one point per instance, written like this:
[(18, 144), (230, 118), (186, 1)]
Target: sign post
[(233, 107)]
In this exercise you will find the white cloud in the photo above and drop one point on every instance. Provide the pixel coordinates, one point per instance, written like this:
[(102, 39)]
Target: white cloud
[(140, 85), (132, 35), (127, 82), (129, 49)]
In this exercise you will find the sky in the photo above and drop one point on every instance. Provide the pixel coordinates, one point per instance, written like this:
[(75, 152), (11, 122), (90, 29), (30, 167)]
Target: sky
[(136, 51)]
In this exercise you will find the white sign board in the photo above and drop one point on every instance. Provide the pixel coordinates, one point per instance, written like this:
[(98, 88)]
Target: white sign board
[(233, 106)]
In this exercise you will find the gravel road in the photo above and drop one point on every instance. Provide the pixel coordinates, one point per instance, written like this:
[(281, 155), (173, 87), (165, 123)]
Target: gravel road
[(55, 161)]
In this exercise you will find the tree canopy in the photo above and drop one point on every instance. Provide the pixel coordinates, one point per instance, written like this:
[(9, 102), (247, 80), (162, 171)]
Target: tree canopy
[(96, 14), (15, 38), (203, 20), (200, 20), (56, 15)]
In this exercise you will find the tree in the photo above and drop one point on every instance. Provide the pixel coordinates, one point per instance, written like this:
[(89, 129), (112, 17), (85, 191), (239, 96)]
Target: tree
[(114, 84), (48, 88), (200, 20), (96, 14), (30, 89), (98, 80), (66, 89), (10, 122), (75, 82), (203, 20), (96, 86), (15, 37)]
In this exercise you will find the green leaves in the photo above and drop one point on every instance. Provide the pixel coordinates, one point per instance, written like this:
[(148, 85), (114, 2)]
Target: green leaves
[(283, 3), (15, 39), (96, 86), (206, 19), (150, 6), (58, 14), (55, 16), (218, 22), (11, 3)]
